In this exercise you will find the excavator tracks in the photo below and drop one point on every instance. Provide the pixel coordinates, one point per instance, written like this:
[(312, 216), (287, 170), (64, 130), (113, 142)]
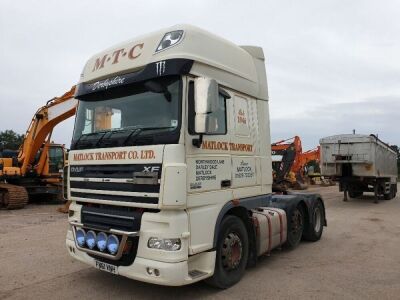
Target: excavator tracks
[(12, 196)]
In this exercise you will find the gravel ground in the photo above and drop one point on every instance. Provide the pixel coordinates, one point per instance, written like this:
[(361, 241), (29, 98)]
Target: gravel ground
[(358, 257)]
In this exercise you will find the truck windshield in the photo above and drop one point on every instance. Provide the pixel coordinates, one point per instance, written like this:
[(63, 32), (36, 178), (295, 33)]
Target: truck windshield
[(145, 113)]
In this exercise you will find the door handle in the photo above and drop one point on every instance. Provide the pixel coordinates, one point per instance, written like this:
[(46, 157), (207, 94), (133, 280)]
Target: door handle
[(225, 183)]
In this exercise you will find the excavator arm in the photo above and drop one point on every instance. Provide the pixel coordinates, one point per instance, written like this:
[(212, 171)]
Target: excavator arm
[(39, 131)]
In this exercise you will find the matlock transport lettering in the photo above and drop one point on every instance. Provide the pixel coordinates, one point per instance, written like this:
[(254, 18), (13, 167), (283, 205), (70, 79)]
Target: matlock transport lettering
[(214, 145), (115, 155)]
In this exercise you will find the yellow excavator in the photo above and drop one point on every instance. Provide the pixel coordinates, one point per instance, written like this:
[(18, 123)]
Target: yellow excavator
[(36, 168)]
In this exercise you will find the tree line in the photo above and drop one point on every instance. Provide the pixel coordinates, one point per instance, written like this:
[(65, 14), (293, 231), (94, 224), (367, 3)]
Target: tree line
[(10, 140)]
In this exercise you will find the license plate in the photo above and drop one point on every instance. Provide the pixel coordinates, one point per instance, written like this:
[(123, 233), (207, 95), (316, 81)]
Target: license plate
[(106, 267)]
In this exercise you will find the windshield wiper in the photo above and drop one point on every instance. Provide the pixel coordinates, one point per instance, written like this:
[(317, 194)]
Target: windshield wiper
[(86, 135), (133, 133)]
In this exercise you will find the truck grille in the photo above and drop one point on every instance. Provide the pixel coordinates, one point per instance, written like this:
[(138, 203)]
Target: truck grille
[(115, 183), (107, 218)]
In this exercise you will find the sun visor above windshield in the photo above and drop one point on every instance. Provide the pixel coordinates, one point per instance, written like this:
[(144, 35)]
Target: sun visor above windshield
[(153, 70)]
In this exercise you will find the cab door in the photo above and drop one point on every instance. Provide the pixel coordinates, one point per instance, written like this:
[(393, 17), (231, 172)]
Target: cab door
[(209, 176), (209, 167)]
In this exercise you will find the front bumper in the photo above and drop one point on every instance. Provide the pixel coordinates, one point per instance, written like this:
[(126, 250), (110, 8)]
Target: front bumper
[(196, 268)]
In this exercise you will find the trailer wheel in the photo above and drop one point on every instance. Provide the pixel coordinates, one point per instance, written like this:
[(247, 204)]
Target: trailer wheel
[(314, 229), (295, 227), (391, 194), (232, 253)]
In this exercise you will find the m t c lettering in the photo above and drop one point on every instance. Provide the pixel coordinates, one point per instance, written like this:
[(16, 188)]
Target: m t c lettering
[(131, 53), (116, 55), (99, 64)]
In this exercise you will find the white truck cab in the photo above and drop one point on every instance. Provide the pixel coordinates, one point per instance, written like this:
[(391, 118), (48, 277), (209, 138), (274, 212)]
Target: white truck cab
[(170, 165)]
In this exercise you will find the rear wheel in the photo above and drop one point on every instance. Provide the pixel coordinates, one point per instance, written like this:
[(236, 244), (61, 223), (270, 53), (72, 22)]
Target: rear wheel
[(316, 225), (391, 194), (232, 253), (295, 227)]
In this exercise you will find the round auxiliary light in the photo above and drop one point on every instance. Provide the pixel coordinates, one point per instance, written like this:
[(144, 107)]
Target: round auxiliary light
[(112, 244), (91, 239), (80, 237), (101, 241)]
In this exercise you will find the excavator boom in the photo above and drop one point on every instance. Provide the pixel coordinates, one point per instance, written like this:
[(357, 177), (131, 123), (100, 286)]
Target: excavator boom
[(39, 131)]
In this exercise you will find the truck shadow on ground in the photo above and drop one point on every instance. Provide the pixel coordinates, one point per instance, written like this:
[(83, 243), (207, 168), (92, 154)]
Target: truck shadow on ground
[(124, 288), (369, 199)]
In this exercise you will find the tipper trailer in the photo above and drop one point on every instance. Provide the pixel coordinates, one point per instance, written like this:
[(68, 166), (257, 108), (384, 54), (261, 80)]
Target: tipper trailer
[(361, 163), (170, 165)]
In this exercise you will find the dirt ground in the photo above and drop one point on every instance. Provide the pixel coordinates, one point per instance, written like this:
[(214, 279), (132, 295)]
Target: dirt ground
[(358, 257)]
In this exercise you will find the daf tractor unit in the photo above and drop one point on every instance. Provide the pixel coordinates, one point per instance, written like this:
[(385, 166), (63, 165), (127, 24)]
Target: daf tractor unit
[(170, 171)]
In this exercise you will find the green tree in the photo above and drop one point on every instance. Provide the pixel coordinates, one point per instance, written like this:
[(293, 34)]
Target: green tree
[(10, 139)]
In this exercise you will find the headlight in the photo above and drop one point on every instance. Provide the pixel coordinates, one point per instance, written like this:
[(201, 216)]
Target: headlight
[(101, 241), (91, 239), (112, 244), (164, 244), (80, 237), (170, 39)]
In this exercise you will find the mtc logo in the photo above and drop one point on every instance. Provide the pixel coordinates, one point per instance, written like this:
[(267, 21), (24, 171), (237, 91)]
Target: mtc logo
[(132, 53)]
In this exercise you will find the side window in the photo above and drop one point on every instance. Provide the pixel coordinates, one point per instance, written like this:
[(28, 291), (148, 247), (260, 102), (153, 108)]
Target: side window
[(218, 117), (88, 122)]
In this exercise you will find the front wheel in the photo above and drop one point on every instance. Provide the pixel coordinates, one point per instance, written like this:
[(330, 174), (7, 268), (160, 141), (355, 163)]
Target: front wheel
[(232, 253)]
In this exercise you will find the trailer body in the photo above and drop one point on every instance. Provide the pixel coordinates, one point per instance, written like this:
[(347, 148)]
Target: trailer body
[(361, 163)]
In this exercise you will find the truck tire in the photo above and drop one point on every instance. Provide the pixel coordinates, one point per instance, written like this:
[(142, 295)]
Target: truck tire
[(232, 253), (295, 227), (315, 227), (391, 194)]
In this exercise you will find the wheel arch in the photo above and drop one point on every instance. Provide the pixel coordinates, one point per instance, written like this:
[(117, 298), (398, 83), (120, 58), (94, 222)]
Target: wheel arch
[(242, 209)]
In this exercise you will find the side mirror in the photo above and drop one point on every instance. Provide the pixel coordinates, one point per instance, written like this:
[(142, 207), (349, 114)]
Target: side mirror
[(205, 102)]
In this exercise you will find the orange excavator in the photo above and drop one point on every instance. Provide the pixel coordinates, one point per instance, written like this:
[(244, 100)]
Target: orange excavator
[(289, 167), (309, 156), (35, 169)]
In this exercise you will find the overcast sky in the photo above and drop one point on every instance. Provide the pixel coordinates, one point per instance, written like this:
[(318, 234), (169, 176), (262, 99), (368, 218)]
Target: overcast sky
[(332, 66)]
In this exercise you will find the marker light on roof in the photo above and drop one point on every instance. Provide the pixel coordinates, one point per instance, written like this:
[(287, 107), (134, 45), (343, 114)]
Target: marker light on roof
[(170, 39)]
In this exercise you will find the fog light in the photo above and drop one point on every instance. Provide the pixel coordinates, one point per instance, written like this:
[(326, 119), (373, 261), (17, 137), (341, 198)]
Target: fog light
[(164, 244), (80, 237), (101, 241), (112, 244), (91, 239)]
